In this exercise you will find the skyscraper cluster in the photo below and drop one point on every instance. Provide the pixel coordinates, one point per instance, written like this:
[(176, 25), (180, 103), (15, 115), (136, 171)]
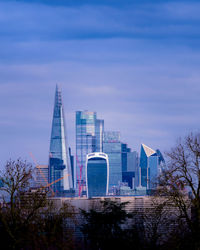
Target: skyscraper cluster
[(103, 164), (126, 168)]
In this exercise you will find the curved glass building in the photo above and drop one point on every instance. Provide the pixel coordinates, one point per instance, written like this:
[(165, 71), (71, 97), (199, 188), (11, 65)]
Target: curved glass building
[(97, 174)]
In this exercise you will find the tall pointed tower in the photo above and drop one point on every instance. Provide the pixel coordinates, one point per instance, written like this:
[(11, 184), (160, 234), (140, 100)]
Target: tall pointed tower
[(59, 160)]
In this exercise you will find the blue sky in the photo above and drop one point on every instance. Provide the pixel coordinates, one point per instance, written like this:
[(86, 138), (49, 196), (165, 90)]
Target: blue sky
[(134, 62)]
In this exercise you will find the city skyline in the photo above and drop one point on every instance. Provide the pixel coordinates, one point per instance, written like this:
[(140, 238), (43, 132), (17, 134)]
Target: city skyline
[(136, 65), (118, 172)]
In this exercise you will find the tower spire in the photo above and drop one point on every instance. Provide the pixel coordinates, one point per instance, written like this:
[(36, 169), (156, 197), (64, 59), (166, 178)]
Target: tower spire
[(59, 162)]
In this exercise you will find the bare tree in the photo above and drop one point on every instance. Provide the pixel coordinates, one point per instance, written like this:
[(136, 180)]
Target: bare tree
[(159, 220), (20, 207), (180, 182), (28, 219)]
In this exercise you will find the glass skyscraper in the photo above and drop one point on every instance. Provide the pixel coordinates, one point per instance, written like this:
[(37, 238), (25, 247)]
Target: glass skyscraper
[(130, 171), (149, 167), (59, 160), (89, 138), (97, 174), (112, 147), (153, 171)]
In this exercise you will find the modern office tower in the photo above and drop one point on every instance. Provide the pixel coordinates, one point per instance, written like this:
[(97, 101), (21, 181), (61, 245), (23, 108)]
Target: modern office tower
[(112, 147), (59, 159), (124, 150), (149, 165), (133, 165), (41, 175), (97, 174), (130, 171), (89, 138), (127, 177)]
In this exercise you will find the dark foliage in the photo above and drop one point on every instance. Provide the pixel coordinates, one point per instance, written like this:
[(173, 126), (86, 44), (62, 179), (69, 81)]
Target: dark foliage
[(107, 228), (181, 177), (28, 220)]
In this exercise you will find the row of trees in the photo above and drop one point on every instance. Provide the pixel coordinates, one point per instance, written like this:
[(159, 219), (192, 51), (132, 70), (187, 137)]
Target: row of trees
[(29, 220)]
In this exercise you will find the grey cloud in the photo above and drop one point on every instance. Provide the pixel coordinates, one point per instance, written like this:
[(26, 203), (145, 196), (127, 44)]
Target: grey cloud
[(26, 21), (183, 11), (147, 88)]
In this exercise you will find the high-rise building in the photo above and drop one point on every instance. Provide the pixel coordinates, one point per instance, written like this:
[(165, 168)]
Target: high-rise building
[(97, 174), (41, 175), (125, 150), (89, 138), (59, 159), (112, 147), (130, 171), (149, 165)]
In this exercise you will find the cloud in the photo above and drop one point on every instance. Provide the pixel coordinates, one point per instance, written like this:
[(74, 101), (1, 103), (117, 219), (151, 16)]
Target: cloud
[(188, 10), (137, 66), (25, 21)]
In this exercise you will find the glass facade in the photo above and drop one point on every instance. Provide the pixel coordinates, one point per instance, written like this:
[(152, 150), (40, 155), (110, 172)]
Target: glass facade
[(143, 167), (59, 159), (153, 170), (89, 136), (41, 175), (125, 151), (161, 161), (129, 177), (112, 147), (130, 171), (97, 176), (149, 165), (133, 163), (99, 129)]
